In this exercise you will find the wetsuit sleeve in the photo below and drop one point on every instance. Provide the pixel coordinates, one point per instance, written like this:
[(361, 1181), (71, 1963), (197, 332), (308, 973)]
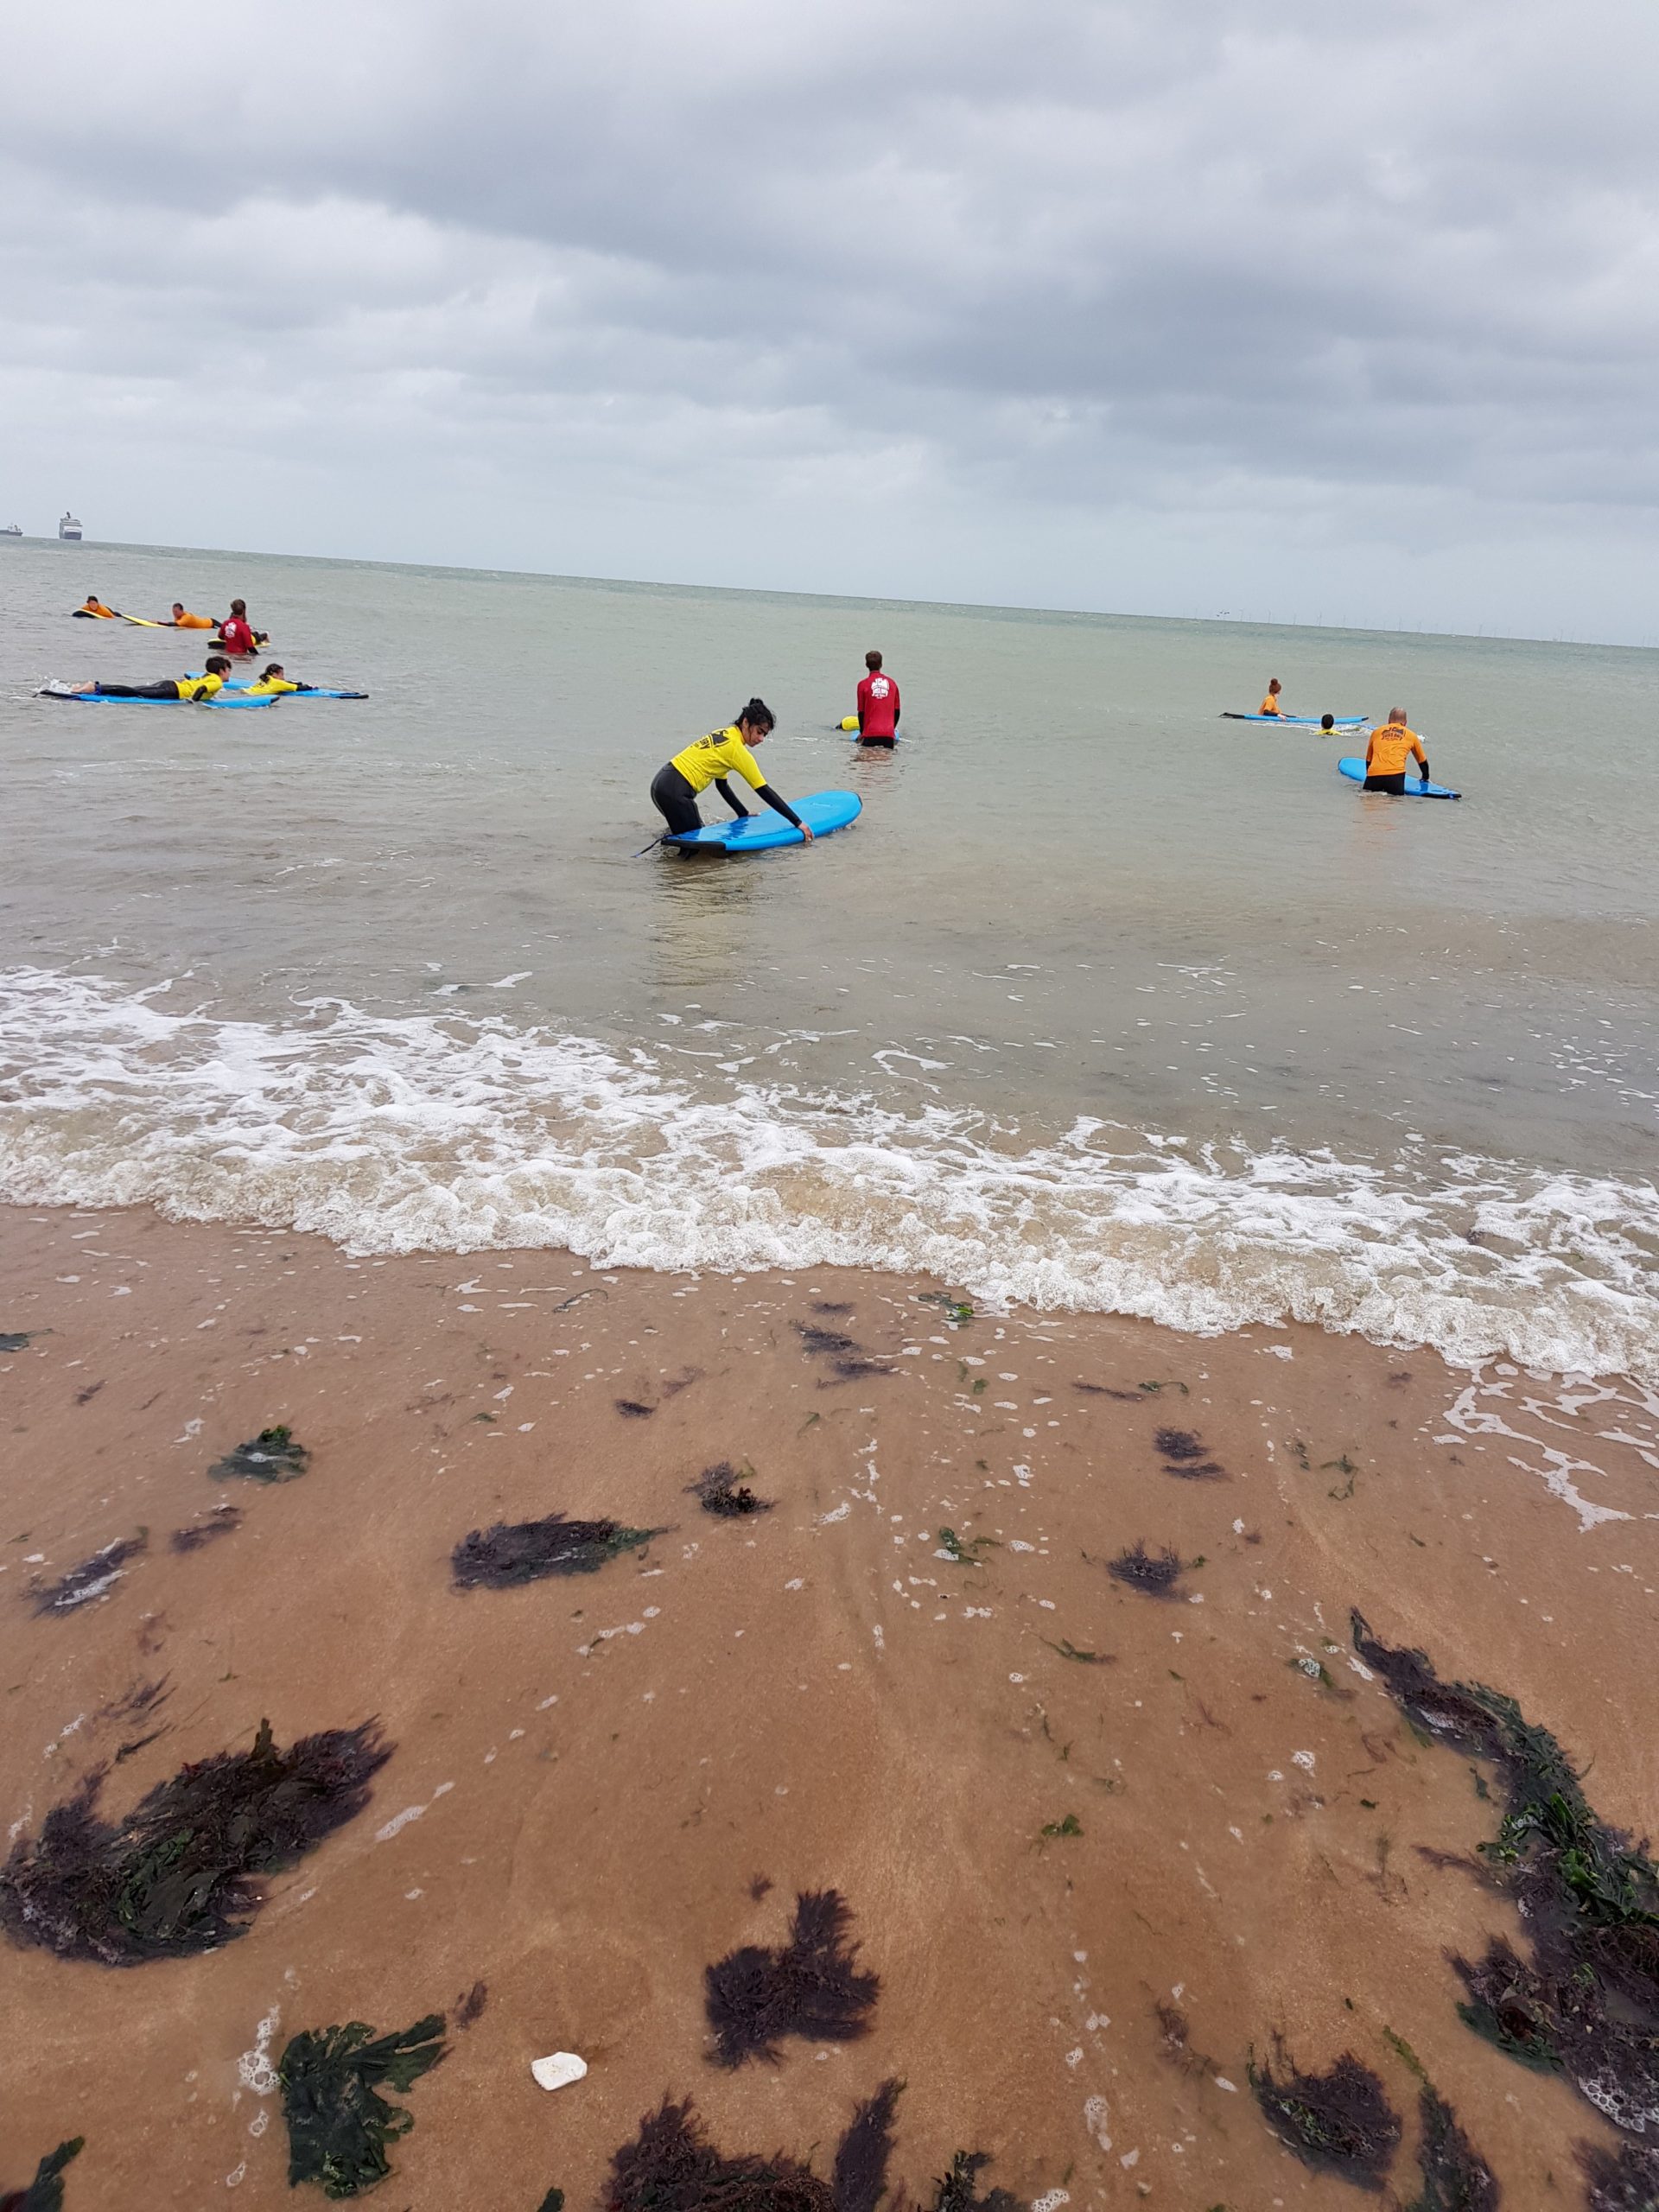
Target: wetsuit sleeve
[(731, 798), (1422, 756), (782, 806)]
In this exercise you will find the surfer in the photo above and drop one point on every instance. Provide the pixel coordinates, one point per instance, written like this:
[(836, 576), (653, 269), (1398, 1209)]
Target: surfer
[(186, 687), (1387, 751), (235, 635), (878, 706), (713, 759), (94, 605), (1270, 705), (183, 621), (273, 679)]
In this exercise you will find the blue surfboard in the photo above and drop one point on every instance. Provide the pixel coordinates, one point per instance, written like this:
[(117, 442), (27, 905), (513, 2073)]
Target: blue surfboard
[(1303, 722), (764, 832), (103, 699), (1354, 771), (310, 691)]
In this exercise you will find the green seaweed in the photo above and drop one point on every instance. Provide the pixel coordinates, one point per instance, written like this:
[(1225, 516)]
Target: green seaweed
[(1584, 1999), (45, 2192), (965, 1551), (1070, 1826), (271, 1457), (1067, 1650), (958, 2191), (339, 2125)]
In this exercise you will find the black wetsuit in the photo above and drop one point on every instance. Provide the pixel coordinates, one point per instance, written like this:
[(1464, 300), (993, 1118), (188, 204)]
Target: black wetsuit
[(675, 800), (164, 691), (1396, 785)]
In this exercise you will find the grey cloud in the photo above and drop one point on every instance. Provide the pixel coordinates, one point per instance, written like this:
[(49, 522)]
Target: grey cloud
[(1058, 273)]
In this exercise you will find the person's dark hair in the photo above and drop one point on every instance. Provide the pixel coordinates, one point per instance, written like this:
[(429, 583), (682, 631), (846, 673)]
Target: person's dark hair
[(178, 606), (1327, 721), (239, 607), (872, 660), (274, 668), (217, 665), (759, 716)]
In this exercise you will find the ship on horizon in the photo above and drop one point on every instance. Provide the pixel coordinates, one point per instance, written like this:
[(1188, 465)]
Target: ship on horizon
[(68, 530), (12, 530)]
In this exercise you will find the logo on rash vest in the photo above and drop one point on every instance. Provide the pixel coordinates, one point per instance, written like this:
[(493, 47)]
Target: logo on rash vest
[(879, 687)]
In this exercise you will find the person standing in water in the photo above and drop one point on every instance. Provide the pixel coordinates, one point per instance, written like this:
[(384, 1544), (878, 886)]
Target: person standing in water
[(878, 705), (236, 636), (713, 759), (1270, 705), (1387, 753)]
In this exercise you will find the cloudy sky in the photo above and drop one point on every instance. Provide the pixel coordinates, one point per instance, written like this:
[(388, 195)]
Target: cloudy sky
[(1293, 310)]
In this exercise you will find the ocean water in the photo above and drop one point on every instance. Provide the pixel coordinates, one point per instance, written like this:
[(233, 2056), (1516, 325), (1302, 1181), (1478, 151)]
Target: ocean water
[(1104, 1002)]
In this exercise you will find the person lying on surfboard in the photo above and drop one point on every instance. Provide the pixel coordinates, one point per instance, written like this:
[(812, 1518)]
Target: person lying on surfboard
[(713, 759), (186, 686), (182, 621), (1386, 754), (94, 605), (1270, 705)]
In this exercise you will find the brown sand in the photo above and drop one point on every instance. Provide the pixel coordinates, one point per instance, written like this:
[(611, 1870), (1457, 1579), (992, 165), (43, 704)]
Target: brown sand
[(608, 1764)]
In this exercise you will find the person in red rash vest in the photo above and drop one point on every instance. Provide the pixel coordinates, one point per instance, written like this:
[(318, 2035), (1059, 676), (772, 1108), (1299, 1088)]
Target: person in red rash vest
[(878, 705), (234, 634)]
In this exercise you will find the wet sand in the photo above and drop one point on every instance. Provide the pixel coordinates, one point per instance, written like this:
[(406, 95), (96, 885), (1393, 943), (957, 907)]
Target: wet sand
[(596, 1777)]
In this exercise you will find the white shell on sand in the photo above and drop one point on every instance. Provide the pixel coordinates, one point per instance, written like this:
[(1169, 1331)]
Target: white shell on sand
[(559, 2070)]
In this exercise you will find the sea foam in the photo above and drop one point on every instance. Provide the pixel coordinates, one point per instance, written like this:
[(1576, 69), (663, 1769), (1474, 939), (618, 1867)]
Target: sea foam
[(417, 1134)]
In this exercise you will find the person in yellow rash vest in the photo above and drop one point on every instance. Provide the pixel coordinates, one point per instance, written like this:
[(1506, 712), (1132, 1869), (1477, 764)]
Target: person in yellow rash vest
[(713, 759), (206, 686), (1270, 705), (273, 681), (1387, 753)]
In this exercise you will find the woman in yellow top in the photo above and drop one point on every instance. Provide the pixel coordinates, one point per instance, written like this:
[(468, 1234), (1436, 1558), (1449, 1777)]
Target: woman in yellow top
[(186, 686), (1387, 753), (713, 759)]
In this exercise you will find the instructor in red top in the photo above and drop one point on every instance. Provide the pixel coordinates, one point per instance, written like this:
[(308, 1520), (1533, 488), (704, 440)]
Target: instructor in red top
[(878, 705)]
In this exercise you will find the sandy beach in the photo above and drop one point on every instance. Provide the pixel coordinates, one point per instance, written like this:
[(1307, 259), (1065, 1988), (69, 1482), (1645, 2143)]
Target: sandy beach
[(1099, 1844)]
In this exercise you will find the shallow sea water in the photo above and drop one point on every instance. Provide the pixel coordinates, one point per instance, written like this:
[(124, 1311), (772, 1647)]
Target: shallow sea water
[(1104, 1002)]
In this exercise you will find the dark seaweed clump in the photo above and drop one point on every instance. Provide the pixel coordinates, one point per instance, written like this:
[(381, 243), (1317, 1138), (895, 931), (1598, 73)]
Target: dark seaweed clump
[(45, 2192), (223, 1521), (1183, 1455), (16, 1340), (720, 1489), (1625, 2181), (671, 2167), (1585, 1998), (339, 2124), (524, 1551), (1456, 2178), (860, 2180), (271, 1457), (179, 1875), (851, 1364), (958, 2191), (93, 1579), (634, 1408), (811, 1987), (1156, 1572), (1338, 2122)]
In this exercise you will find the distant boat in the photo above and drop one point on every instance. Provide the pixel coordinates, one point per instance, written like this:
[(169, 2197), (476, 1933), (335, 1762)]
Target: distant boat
[(12, 530), (68, 528)]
